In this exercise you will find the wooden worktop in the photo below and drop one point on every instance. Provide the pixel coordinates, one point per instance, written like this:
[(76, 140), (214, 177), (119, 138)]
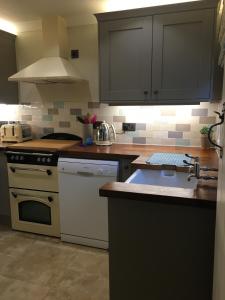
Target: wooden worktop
[(205, 194), (3, 145), (43, 145), (138, 152)]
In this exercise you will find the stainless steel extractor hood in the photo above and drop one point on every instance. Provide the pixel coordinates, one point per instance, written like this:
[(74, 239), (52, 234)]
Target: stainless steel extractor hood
[(54, 67)]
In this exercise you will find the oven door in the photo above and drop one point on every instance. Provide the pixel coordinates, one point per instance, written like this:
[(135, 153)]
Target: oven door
[(35, 211), (35, 177)]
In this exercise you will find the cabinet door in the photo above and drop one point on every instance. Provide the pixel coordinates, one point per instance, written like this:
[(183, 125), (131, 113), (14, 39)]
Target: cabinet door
[(8, 90), (125, 60), (182, 56)]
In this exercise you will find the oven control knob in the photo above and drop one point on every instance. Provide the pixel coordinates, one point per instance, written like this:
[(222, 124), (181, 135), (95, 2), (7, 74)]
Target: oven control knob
[(12, 157), (17, 157), (38, 159), (21, 157), (43, 159), (49, 160)]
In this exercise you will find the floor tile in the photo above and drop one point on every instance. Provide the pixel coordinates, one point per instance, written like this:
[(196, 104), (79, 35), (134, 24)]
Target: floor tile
[(44, 268), (20, 290)]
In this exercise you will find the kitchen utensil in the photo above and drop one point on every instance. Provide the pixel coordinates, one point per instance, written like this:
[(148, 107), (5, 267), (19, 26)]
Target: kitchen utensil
[(105, 134)]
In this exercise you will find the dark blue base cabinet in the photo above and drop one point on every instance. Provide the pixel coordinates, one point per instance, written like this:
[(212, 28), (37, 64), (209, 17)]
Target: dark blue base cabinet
[(160, 251)]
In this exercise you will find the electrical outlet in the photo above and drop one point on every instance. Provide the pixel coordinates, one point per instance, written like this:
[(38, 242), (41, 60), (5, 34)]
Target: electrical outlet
[(129, 126)]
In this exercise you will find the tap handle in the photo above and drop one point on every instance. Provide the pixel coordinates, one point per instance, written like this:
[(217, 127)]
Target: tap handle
[(187, 163), (195, 158)]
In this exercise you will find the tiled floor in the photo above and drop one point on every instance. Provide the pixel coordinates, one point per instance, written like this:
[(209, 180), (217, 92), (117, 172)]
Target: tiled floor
[(34, 267)]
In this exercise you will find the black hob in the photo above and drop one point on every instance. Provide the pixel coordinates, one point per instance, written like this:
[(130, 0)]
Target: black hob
[(46, 158)]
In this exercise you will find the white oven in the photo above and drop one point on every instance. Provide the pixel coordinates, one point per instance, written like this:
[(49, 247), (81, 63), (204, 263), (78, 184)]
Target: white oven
[(33, 188), (35, 211)]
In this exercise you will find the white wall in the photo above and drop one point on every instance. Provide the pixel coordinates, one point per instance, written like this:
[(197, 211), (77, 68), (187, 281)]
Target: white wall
[(29, 47)]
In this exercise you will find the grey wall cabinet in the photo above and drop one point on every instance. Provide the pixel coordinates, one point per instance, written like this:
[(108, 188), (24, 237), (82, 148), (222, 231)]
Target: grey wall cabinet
[(125, 51), (182, 56), (158, 57), (8, 90)]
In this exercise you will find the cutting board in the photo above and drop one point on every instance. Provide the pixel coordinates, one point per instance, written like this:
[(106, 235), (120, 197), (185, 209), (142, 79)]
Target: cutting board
[(44, 145)]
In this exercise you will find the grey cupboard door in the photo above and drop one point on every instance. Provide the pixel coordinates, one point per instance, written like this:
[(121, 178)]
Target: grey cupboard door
[(8, 90), (182, 56), (125, 60)]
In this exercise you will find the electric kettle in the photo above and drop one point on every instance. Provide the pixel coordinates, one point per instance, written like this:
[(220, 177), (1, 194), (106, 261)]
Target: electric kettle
[(105, 134)]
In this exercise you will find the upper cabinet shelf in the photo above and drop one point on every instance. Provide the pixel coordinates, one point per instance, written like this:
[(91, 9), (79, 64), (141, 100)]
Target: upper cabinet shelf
[(160, 55)]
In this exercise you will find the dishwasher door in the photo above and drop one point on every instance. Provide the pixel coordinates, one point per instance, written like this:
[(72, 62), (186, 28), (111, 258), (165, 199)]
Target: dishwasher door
[(83, 213)]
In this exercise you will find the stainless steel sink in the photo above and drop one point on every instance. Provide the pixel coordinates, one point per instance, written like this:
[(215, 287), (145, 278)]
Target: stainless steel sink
[(162, 178)]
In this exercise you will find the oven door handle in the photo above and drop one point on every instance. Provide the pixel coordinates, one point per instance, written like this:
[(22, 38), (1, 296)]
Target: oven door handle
[(15, 195), (13, 169)]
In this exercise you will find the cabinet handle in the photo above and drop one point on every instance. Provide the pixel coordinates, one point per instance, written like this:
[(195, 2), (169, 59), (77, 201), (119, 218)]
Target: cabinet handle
[(156, 92)]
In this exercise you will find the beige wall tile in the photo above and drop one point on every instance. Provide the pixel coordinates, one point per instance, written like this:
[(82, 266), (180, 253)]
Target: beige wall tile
[(207, 120), (168, 112), (175, 134), (119, 119), (183, 127)]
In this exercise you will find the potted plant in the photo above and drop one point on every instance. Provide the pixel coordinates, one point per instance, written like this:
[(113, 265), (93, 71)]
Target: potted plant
[(205, 143)]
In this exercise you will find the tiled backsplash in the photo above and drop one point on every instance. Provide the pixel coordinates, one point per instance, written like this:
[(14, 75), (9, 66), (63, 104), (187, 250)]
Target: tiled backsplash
[(158, 125)]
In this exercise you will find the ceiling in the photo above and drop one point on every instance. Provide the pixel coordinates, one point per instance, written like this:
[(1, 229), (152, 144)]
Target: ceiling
[(75, 11)]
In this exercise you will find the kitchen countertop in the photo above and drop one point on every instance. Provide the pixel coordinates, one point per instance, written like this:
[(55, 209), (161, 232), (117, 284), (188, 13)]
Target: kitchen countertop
[(49, 145), (204, 195), (3, 145), (139, 152), (206, 192)]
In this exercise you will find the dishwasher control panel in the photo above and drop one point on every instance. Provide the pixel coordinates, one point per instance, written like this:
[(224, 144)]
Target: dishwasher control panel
[(85, 167)]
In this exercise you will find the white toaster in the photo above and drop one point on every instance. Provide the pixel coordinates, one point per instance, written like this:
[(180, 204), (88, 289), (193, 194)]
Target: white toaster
[(15, 132)]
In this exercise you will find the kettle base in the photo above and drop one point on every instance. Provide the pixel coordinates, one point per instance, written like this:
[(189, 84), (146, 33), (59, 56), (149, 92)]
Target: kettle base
[(103, 143)]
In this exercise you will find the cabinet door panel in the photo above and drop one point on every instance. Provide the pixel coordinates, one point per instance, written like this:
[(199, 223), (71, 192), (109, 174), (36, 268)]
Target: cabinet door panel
[(125, 53), (182, 55)]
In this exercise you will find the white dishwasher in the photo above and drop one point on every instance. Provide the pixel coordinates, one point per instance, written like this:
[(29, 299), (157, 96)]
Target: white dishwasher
[(83, 213)]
